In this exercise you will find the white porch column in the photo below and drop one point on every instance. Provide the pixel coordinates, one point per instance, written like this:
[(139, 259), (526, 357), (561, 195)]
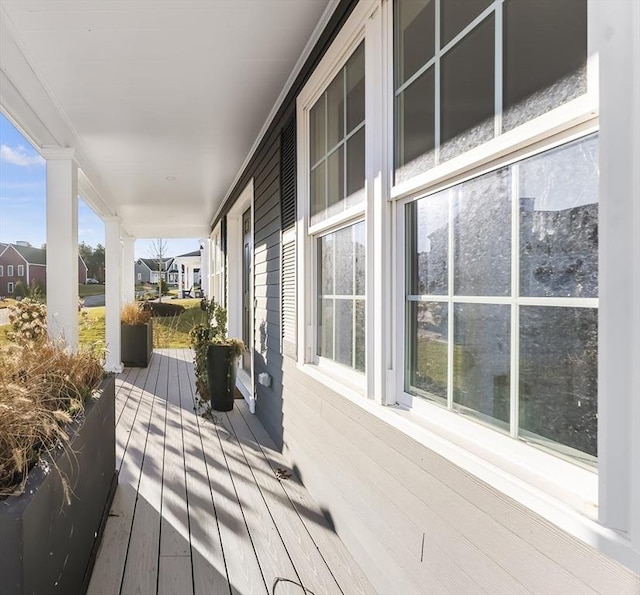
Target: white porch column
[(205, 267), (128, 269), (113, 287), (62, 245)]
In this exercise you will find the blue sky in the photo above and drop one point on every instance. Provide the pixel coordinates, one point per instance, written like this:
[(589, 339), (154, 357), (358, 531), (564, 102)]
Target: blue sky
[(23, 202)]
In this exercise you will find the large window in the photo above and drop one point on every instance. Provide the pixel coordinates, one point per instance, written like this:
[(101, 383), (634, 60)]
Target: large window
[(337, 181), (502, 290), (469, 70)]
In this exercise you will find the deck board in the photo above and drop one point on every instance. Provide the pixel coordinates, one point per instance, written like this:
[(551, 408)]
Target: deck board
[(199, 509)]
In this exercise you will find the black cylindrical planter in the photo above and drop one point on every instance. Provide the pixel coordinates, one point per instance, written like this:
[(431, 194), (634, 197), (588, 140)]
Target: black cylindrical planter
[(221, 373)]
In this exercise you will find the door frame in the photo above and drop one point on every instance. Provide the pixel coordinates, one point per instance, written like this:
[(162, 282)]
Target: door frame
[(235, 258)]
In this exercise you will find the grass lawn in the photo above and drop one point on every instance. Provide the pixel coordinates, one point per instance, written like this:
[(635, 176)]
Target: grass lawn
[(170, 332), (85, 290)]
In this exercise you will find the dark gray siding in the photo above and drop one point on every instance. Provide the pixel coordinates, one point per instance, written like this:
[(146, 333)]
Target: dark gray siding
[(267, 248)]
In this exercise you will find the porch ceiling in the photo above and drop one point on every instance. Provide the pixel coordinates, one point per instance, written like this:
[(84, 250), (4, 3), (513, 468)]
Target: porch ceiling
[(149, 90)]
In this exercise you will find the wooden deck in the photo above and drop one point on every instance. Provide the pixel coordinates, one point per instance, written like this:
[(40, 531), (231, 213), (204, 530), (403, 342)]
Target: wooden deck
[(202, 507)]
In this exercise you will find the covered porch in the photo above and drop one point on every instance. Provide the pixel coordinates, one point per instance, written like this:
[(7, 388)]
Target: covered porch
[(208, 506)]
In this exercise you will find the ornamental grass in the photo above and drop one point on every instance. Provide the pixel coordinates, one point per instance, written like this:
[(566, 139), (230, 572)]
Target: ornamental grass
[(133, 313), (43, 388)]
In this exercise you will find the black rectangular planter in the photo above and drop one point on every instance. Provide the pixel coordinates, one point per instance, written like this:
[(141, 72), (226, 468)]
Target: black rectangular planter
[(136, 344), (48, 546)]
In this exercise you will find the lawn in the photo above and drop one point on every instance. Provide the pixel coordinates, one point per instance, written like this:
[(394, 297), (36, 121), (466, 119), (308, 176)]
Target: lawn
[(85, 290), (170, 332)]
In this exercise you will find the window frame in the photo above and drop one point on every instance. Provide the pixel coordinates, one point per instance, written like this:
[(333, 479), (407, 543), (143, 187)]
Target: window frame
[(10, 287), (20, 270), (1, 270), (9, 270), (363, 26), (563, 118)]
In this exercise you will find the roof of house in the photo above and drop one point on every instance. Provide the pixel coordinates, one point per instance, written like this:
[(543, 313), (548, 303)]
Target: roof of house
[(153, 264), (30, 254), (194, 253)]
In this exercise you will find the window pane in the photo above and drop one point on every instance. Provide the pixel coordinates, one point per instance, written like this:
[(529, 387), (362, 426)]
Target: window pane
[(355, 162), (341, 303), (359, 243), (344, 332), (355, 89), (318, 189), (428, 340), (481, 361), (317, 131), (326, 257), (344, 261), (455, 15), (467, 81), (559, 222), (360, 336), (428, 236), (335, 111), (325, 328), (559, 376), (482, 235), (335, 177), (545, 56), (415, 121), (415, 36)]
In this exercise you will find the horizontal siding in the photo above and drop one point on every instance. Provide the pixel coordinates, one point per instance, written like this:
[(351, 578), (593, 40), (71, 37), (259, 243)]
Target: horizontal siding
[(266, 275), (440, 528)]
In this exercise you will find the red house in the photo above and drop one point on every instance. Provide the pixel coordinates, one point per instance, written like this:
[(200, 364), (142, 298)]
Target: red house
[(26, 264)]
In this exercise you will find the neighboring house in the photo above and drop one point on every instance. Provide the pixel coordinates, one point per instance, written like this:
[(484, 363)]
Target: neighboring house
[(188, 267), (23, 263), (150, 270)]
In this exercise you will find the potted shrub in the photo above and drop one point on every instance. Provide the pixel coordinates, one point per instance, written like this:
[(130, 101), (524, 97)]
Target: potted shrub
[(57, 458), (216, 357), (136, 336)]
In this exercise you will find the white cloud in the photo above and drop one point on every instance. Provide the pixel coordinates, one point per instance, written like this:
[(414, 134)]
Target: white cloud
[(19, 156)]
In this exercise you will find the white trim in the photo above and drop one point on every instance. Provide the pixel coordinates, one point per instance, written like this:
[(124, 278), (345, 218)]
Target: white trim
[(10, 287), (20, 273), (617, 40), (304, 55), (10, 270), (245, 382)]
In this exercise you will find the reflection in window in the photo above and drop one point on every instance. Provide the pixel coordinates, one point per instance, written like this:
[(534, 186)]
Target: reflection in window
[(540, 76), (559, 376), (446, 96), (337, 138), (460, 342), (341, 296), (559, 222)]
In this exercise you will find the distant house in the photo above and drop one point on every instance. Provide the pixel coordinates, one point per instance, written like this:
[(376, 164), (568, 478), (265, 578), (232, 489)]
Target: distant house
[(188, 267), (149, 270), (21, 262)]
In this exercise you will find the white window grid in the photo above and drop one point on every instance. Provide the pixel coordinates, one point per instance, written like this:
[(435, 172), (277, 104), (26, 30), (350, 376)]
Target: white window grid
[(1, 271), (20, 270), (9, 270), (514, 300), (347, 200), (353, 298), (10, 287)]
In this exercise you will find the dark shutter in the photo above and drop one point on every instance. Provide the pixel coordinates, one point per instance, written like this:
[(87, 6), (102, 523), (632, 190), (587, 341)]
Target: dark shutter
[(288, 175), (289, 330)]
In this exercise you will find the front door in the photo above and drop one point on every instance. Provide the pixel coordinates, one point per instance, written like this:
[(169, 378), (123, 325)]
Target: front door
[(247, 310)]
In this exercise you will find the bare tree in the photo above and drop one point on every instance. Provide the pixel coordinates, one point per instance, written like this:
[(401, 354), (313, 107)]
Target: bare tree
[(158, 252)]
